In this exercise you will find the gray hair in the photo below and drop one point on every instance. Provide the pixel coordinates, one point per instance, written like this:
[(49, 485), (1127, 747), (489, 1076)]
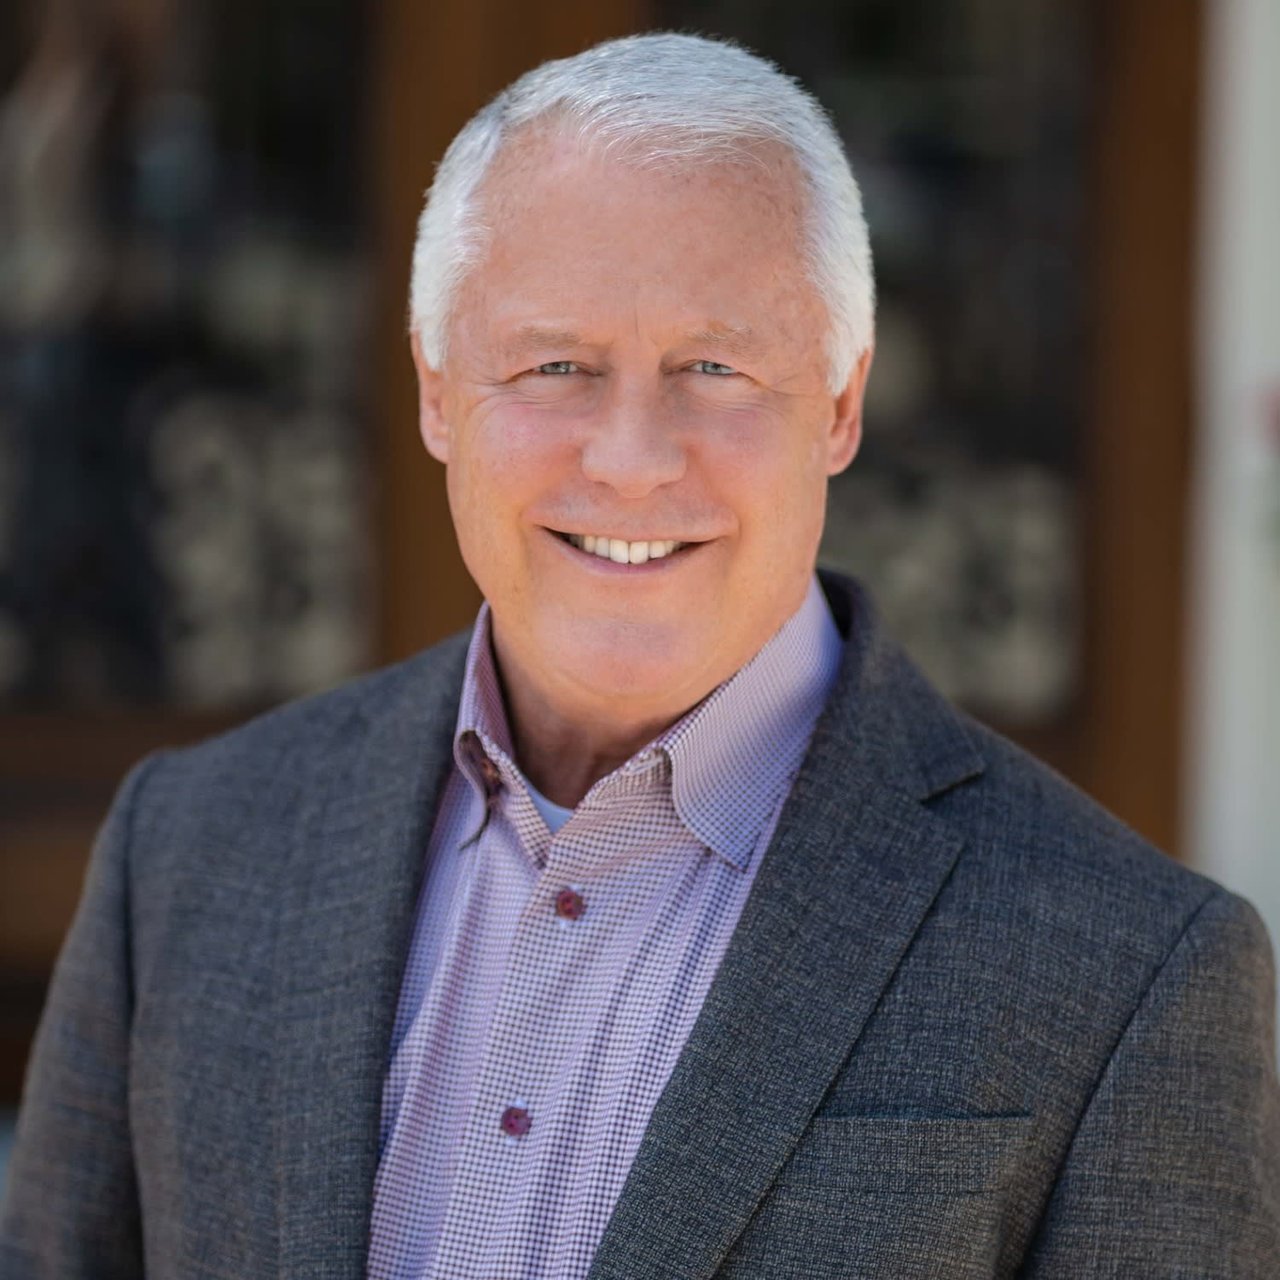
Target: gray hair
[(663, 99)]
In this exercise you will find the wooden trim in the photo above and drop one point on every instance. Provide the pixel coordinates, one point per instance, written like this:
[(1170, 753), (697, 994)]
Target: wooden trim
[(1137, 474), (1122, 741)]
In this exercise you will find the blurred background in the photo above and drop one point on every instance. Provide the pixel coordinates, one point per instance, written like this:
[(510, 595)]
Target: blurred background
[(213, 497)]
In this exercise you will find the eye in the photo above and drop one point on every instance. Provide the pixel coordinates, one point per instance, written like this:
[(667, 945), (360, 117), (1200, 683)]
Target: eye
[(557, 368), (713, 368)]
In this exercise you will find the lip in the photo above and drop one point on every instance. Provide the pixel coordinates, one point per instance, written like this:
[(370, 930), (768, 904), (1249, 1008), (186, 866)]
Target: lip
[(602, 564)]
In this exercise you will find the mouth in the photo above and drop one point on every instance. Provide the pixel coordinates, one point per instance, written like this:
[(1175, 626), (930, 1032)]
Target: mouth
[(622, 550)]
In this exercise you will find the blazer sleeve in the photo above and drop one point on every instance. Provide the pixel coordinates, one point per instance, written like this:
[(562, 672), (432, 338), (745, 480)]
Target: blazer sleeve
[(1174, 1169), (71, 1208)]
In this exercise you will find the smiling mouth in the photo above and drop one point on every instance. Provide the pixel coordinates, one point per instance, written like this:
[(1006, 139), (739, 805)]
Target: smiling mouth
[(620, 550)]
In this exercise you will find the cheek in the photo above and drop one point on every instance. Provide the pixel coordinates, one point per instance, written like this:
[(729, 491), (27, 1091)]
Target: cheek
[(485, 521), (502, 461), (772, 472), (503, 457)]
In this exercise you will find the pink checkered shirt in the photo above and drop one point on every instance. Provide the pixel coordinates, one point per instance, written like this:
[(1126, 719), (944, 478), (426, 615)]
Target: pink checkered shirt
[(553, 978)]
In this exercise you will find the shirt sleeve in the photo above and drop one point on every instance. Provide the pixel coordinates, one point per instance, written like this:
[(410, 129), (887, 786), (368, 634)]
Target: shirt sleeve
[(1174, 1169)]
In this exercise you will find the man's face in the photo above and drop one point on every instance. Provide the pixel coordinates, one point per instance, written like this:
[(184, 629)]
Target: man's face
[(639, 357)]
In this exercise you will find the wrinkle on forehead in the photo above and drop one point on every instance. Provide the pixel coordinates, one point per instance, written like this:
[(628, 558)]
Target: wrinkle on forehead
[(763, 173)]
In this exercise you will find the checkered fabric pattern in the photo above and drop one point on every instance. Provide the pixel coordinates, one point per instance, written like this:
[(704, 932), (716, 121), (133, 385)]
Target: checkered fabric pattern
[(553, 979)]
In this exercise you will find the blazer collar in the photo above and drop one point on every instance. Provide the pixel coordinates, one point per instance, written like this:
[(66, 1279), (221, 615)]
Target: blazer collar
[(852, 870), (894, 725)]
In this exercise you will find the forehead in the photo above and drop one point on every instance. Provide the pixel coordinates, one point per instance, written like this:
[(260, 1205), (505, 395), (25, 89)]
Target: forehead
[(559, 148), (542, 168), (573, 228)]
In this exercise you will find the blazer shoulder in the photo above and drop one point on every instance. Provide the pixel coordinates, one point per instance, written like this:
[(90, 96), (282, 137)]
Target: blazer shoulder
[(1071, 858), (1034, 845), (304, 727), (262, 772)]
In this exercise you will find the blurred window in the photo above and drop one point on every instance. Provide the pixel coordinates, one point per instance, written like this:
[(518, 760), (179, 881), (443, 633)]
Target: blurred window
[(183, 332)]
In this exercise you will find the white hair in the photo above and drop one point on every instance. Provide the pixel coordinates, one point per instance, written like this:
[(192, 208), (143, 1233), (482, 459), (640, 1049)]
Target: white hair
[(658, 99)]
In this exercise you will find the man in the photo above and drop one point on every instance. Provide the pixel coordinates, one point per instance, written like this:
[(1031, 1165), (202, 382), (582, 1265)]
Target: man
[(670, 925)]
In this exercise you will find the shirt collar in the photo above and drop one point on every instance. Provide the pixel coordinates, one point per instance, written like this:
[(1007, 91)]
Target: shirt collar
[(732, 757)]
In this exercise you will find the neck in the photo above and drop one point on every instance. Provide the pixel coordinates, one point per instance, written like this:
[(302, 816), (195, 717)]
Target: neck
[(565, 749), (564, 756), (564, 760)]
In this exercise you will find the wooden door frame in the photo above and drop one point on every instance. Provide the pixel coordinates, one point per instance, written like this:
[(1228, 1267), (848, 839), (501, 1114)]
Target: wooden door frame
[(1137, 486)]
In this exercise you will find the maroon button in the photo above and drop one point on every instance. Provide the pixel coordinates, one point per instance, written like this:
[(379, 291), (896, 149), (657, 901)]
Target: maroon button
[(515, 1122), (569, 905)]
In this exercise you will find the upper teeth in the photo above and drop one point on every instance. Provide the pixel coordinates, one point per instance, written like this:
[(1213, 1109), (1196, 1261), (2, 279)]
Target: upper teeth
[(620, 550)]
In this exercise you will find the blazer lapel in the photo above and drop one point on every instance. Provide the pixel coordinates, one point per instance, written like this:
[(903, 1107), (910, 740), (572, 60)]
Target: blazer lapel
[(345, 921), (855, 864)]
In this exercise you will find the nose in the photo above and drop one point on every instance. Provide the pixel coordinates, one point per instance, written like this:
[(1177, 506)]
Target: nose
[(634, 447)]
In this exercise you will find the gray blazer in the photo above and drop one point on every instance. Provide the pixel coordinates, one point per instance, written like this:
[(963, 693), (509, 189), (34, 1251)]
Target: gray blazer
[(968, 1026)]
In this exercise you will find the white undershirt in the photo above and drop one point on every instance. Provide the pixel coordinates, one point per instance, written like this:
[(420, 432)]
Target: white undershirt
[(552, 814)]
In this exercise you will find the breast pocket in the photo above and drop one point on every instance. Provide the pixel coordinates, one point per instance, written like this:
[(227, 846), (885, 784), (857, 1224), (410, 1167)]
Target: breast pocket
[(880, 1196), (893, 1155)]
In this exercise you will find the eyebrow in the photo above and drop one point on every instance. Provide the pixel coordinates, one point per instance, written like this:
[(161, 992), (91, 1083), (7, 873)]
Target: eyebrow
[(734, 339), (535, 337)]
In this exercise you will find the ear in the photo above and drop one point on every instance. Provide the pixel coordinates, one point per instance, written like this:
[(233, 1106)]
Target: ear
[(845, 434), (431, 421)]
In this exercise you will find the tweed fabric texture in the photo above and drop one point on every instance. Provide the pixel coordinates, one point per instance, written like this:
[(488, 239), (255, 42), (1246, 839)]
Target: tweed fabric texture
[(575, 1019), (1007, 1039)]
